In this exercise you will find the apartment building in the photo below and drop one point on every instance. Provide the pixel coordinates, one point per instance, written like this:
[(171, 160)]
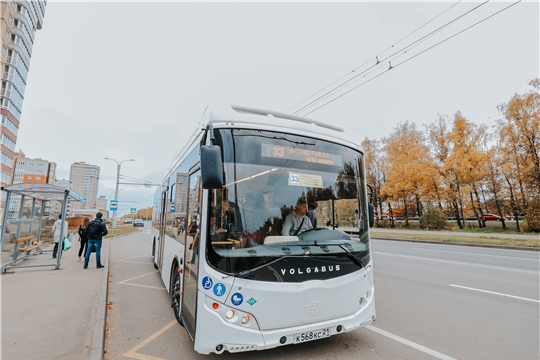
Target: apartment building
[(26, 170), (19, 21), (102, 203), (84, 180)]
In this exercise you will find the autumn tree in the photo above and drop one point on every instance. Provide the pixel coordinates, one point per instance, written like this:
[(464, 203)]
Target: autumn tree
[(519, 138), (409, 167), (468, 160), (375, 159)]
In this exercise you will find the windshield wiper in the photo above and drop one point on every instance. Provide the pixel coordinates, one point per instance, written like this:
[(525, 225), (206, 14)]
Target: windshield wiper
[(349, 254), (245, 273)]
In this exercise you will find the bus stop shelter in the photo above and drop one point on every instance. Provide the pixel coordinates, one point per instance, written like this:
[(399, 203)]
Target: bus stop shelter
[(25, 223)]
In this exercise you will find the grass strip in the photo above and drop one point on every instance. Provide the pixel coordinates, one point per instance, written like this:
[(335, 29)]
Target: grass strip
[(490, 239), (121, 230)]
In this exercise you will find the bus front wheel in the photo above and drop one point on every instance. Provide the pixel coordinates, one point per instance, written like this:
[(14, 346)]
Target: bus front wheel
[(176, 297)]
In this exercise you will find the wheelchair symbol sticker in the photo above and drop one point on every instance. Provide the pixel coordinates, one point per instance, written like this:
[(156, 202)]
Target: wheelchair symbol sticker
[(207, 282), (219, 289)]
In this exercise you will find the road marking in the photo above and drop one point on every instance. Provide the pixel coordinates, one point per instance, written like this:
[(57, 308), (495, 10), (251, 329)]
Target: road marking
[(132, 353), (125, 282), (414, 345), (495, 293), (131, 257), (468, 253), (457, 262)]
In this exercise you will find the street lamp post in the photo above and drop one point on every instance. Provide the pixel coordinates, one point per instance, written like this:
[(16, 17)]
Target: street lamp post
[(118, 165)]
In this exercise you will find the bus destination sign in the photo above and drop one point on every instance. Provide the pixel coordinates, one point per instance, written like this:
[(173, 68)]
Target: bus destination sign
[(285, 152)]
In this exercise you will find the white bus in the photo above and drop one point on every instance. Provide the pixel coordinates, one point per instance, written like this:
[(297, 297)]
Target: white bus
[(249, 233)]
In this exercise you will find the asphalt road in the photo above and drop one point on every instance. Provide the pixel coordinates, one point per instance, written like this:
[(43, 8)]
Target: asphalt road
[(433, 301)]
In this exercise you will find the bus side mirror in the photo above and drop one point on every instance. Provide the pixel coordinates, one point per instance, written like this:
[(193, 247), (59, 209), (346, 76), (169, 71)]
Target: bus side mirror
[(371, 213), (211, 167)]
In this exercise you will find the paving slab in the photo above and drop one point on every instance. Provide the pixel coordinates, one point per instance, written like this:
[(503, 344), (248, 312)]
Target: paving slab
[(54, 314)]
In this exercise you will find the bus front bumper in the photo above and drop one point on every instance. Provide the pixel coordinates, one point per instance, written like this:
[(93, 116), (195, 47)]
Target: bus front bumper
[(217, 335)]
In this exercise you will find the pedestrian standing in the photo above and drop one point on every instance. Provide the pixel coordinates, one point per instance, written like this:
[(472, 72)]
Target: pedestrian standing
[(182, 226), (83, 237), (57, 228), (95, 231)]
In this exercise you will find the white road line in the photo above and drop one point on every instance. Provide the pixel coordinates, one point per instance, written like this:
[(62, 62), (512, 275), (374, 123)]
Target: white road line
[(495, 293), (468, 253), (456, 262), (414, 345)]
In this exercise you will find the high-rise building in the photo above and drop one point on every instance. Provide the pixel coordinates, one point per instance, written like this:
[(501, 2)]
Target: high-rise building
[(19, 21), (84, 180)]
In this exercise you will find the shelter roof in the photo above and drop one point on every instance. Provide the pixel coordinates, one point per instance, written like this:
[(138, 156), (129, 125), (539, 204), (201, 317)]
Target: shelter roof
[(43, 191)]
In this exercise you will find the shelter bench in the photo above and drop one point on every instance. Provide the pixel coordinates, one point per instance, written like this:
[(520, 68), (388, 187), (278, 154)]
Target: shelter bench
[(31, 244)]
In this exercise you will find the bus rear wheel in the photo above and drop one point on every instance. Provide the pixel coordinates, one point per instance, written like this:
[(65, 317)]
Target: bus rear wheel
[(175, 296)]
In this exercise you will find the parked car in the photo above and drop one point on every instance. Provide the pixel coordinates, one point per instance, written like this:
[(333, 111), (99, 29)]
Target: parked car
[(512, 217), (490, 217), (128, 221), (138, 222)]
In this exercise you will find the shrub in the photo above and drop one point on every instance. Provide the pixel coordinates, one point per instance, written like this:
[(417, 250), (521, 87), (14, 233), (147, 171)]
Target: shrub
[(433, 219)]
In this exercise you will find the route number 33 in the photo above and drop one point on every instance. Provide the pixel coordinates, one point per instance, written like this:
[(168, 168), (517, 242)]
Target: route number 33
[(294, 179)]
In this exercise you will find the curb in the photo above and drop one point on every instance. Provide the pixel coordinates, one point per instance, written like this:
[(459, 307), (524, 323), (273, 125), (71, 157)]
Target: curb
[(98, 340), (526, 248)]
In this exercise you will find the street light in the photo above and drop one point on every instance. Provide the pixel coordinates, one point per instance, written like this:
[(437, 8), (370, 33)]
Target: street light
[(118, 165)]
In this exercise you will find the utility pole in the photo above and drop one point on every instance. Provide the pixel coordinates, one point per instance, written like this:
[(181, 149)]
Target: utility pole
[(118, 165)]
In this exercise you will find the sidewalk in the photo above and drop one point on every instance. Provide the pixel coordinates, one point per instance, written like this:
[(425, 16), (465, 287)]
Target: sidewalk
[(55, 314)]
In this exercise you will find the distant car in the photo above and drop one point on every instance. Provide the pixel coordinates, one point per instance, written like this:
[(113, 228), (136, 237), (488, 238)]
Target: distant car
[(128, 221), (490, 217), (138, 222)]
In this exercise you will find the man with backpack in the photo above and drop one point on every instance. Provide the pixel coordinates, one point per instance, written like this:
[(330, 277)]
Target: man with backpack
[(95, 230)]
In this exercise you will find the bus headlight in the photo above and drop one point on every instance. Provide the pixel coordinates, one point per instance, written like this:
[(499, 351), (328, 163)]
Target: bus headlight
[(365, 298), (245, 319), (230, 314)]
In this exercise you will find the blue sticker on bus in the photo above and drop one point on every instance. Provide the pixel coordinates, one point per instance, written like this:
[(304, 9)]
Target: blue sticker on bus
[(237, 299), (207, 282), (219, 289)]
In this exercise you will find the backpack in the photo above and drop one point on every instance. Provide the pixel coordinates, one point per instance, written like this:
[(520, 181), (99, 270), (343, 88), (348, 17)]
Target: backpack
[(93, 229)]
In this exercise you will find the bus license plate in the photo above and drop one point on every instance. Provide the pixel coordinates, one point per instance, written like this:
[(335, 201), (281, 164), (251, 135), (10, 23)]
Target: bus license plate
[(311, 335)]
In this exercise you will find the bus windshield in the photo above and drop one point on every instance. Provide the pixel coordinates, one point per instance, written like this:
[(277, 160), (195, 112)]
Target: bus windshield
[(285, 196)]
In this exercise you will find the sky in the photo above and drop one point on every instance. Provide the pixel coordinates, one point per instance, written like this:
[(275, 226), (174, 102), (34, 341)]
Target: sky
[(130, 80)]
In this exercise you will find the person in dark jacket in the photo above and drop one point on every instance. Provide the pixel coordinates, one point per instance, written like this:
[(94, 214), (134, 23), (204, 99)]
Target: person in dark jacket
[(95, 231), (83, 238)]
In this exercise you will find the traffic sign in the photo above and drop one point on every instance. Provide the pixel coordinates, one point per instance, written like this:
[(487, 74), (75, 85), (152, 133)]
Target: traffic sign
[(114, 205), (173, 207), (133, 211)]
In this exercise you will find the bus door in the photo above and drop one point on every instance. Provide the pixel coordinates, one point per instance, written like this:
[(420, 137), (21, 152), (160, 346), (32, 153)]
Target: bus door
[(191, 251), (162, 227)]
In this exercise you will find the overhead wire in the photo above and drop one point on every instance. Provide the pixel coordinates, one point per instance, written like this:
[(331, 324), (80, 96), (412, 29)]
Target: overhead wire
[(390, 57), (412, 57), (373, 58)]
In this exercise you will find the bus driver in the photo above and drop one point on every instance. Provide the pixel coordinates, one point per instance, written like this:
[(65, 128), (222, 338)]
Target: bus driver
[(297, 221)]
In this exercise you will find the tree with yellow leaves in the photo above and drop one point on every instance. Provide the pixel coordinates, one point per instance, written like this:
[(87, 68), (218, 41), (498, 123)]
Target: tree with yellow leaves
[(519, 140), (410, 169)]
